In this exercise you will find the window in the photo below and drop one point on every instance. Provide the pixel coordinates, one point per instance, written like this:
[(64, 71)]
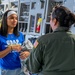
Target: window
[(14, 4), (32, 23), (24, 12)]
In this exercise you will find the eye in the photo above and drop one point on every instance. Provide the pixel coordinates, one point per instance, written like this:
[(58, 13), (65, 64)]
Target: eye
[(10, 17), (13, 17)]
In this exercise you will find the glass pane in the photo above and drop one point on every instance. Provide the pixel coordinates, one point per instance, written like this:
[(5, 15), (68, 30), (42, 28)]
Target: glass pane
[(32, 22), (47, 28), (24, 12), (22, 27), (1, 11), (14, 4), (42, 5), (33, 5)]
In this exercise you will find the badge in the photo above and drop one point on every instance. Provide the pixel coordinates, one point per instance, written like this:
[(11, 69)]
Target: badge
[(36, 44)]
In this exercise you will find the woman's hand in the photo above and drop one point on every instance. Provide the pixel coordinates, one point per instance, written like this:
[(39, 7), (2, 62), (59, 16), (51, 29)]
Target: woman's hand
[(16, 47), (24, 54)]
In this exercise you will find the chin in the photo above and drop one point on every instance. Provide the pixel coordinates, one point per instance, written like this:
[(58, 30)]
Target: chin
[(14, 26)]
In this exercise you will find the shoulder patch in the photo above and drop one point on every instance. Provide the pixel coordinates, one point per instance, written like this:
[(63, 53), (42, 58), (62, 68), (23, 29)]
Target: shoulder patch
[(36, 44)]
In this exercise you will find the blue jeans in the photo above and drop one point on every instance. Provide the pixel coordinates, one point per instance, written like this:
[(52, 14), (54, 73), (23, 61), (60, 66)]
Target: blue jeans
[(11, 72)]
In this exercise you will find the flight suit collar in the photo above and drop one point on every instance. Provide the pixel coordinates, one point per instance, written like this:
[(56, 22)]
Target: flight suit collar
[(61, 29)]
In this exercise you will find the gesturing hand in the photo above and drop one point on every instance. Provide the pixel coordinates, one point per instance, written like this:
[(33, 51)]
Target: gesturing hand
[(16, 47), (24, 54)]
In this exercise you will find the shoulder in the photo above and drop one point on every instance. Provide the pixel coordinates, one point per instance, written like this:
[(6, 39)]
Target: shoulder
[(50, 37), (45, 38), (2, 37), (21, 34)]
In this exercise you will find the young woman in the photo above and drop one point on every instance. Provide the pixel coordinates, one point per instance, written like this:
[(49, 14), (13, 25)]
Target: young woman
[(10, 44)]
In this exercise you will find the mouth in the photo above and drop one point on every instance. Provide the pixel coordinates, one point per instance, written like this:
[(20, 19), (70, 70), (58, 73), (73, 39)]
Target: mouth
[(13, 25)]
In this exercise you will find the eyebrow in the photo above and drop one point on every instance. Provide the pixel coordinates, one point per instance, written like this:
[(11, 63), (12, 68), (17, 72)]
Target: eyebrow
[(13, 16)]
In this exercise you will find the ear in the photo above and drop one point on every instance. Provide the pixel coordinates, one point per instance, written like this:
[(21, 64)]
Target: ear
[(55, 21)]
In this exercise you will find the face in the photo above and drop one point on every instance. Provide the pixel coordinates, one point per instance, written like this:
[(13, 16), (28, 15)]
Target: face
[(12, 20), (51, 22)]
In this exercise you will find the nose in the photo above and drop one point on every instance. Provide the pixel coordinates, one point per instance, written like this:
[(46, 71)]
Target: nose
[(14, 19)]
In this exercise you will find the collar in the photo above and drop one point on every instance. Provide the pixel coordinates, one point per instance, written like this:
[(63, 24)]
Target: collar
[(61, 29)]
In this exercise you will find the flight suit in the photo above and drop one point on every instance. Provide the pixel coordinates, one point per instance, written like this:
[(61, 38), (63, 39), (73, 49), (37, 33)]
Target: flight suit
[(53, 54)]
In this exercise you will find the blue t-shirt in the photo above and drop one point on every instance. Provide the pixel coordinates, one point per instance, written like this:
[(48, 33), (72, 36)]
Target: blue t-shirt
[(10, 61)]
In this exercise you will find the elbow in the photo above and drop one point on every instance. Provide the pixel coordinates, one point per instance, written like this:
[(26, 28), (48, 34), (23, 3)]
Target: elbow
[(1, 56)]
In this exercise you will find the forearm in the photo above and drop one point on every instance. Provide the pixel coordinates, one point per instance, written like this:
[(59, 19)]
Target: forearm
[(5, 52), (32, 66)]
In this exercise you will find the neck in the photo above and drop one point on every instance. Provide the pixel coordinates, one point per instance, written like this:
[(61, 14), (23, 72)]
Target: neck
[(10, 30), (56, 26)]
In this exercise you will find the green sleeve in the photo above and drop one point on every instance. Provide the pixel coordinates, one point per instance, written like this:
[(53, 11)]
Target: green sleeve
[(34, 62)]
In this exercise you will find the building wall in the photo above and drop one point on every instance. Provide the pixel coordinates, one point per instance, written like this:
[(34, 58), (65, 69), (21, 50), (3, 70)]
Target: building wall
[(71, 5)]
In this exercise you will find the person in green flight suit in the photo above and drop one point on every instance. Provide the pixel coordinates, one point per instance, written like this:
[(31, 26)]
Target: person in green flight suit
[(54, 53)]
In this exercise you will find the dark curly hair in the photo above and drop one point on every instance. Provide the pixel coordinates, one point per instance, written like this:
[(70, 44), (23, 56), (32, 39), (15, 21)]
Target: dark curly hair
[(63, 15)]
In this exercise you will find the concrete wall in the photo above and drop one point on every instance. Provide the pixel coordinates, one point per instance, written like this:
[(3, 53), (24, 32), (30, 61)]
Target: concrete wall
[(70, 4)]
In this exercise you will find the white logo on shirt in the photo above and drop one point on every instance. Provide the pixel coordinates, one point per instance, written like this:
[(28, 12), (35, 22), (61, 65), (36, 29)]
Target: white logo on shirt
[(12, 42)]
